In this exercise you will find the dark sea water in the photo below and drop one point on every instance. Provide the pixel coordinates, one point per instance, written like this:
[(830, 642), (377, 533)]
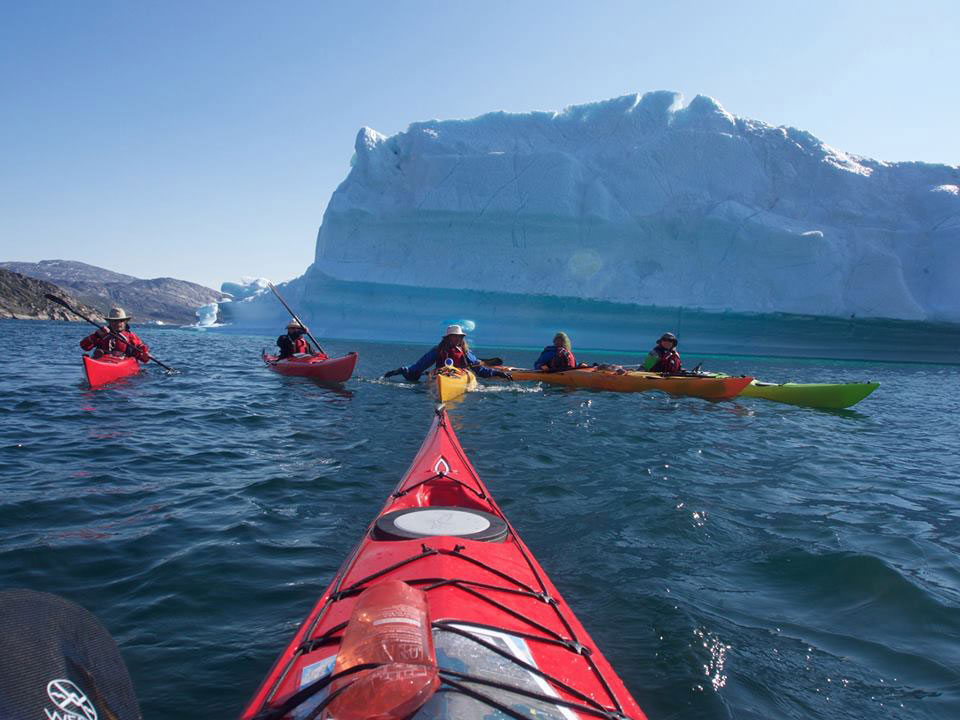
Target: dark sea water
[(742, 559)]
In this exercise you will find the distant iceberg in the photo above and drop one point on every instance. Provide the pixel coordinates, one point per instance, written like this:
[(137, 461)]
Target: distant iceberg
[(645, 201), (207, 315), (247, 288)]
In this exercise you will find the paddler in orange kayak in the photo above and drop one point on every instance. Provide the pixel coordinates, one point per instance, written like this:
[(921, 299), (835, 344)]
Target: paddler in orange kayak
[(294, 343), (557, 357), (116, 338), (452, 346), (664, 357)]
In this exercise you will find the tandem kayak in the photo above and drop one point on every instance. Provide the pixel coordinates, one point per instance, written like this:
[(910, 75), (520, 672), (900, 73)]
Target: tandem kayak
[(597, 378), (317, 366), (479, 629), (829, 396), (108, 368), (451, 382)]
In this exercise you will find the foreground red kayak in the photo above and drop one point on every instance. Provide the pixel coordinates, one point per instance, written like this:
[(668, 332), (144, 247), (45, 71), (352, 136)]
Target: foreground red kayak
[(108, 368), (318, 366), (474, 627)]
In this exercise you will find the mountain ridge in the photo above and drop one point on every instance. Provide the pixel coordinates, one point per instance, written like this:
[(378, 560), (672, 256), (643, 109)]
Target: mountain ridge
[(23, 298), (164, 300)]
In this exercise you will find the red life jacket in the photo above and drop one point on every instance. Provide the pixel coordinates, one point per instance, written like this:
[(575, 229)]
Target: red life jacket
[(562, 360), (110, 345), (300, 346), (669, 361), (455, 353)]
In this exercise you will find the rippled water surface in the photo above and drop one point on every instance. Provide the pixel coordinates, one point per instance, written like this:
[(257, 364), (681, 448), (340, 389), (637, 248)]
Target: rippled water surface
[(742, 559)]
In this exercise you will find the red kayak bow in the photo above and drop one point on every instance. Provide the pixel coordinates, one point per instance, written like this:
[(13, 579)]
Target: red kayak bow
[(108, 368), (502, 639), (317, 366)]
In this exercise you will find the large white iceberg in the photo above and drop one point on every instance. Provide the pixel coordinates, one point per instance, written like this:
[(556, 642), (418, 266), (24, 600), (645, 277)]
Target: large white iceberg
[(642, 200)]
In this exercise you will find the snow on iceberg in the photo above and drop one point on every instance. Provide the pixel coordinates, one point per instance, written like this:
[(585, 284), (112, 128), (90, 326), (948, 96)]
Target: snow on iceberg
[(248, 287), (642, 200)]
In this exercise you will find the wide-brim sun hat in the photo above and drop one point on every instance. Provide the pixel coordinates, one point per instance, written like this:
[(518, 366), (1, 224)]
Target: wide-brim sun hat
[(118, 313), (293, 324), (454, 330), (669, 336)]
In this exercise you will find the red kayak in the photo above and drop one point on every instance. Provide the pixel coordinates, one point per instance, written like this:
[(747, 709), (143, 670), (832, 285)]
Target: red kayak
[(441, 611), (108, 368), (317, 366)]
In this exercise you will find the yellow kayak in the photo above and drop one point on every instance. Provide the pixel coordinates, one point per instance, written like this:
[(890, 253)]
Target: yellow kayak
[(451, 382), (711, 388)]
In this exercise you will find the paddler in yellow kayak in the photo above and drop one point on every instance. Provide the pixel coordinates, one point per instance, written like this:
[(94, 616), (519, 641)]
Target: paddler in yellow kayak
[(664, 357), (453, 346)]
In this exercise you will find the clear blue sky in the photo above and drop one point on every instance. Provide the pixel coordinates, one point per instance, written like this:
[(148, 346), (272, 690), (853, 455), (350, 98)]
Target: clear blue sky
[(202, 140)]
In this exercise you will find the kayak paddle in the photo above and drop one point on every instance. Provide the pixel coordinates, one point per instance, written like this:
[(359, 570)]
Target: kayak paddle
[(64, 303), (294, 316)]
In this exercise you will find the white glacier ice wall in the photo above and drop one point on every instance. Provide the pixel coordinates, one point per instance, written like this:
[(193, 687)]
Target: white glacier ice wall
[(641, 200)]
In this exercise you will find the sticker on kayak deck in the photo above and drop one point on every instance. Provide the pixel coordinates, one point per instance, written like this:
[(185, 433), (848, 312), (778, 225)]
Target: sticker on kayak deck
[(455, 651), (315, 671), (442, 522), (310, 674), (71, 702), (441, 468)]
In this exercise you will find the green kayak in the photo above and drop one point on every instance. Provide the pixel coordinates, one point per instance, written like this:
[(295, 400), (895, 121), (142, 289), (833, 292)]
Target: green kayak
[(833, 396)]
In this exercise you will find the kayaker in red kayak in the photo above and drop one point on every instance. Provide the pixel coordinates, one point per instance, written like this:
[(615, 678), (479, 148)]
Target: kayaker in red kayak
[(452, 346), (294, 342), (117, 339), (664, 357), (558, 356)]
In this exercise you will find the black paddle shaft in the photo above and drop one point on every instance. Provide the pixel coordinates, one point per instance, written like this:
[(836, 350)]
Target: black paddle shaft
[(294, 316), (64, 303)]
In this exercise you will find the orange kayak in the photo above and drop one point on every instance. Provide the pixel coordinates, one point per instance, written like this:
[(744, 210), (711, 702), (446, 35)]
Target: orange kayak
[(619, 380)]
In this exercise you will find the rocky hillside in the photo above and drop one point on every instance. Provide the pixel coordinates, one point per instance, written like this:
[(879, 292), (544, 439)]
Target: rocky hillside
[(161, 299), (66, 271), (22, 298)]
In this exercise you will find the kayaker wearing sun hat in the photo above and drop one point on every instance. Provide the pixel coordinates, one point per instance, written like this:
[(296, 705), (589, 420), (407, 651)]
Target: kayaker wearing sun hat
[(664, 357), (452, 346), (294, 342), (117, 339), (558, 356)]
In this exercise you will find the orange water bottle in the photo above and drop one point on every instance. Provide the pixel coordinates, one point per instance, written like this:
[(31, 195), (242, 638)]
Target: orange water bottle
[(390, 625)]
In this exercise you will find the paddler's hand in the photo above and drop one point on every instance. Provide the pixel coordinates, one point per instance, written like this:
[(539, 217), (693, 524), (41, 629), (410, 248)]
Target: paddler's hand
[(391, 373), (502, 374), (102, 331)]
